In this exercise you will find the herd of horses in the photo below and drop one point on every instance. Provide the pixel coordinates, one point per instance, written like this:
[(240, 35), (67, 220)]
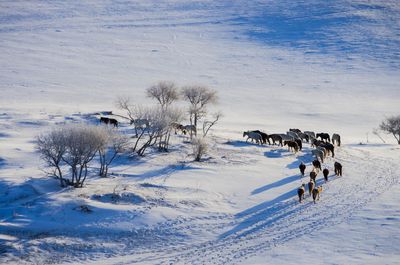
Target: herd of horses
[(323, 144), (145, 123)]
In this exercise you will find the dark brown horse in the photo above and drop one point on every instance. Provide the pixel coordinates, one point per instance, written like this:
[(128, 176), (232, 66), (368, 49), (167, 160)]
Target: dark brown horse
[(301, 191), (292, 145), (338, 169), (317, 164), (313, 176), (324, 137)]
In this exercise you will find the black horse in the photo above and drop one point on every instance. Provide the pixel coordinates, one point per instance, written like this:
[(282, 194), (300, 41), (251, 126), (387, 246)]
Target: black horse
[(104, 120), (324, 137), (113, 122), (299, 143), (330, 147), (326, 173), (302, 168), (264, 136), (276, 138), (317, 164)]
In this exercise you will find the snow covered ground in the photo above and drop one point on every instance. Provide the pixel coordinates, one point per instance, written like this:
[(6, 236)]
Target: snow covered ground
[(319, 65)]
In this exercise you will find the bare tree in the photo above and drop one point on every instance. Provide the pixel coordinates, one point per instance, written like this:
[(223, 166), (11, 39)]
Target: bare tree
[(74, 145), (51, 147), (165, 92), (207, 125), (199, 97), (82, 142), (116, 144), (200, 146), (392, 125)]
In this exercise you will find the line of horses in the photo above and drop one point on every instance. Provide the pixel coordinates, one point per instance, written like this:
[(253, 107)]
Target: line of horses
[(313, 190), (146, 123), (323, 144)]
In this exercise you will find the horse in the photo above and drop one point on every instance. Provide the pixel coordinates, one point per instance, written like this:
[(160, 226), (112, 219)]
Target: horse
[(311, 185), (302, 168), (178, 127), (338, 169), (318, 154), (253, 136), (301, 191), (113, 122), (305, 137), (313, 176), (286, 137), (295, 130), (291, 145), (299, 143), (326, 173), (315, 142), (323, 150), (104, 120), (264, 136), (276, 138), (310, 133), (293, 134), (316, 192), (190, 129), (336, 139), (329, 147), (140, 123), (317, 164), (324, 137)]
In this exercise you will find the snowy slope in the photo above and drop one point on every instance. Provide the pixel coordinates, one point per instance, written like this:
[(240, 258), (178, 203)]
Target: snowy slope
[(317, 65)]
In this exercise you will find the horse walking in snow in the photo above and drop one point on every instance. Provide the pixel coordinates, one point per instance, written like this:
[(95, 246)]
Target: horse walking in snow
[(336, 139), (324, 137), (253, 136)]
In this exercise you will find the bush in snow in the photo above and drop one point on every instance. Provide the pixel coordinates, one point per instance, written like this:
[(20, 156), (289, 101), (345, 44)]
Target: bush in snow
[(200, 147), (392, 125), (73, 146), (114, 144)]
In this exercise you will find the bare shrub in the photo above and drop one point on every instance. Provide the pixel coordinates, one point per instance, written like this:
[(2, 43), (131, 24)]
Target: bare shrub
[(392, 125), (200, 147), (74, 145), (52, 147), (115, 144)]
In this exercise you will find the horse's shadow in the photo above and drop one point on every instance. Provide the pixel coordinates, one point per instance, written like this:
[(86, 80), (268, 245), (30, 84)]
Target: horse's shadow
[(276, 184), (277, 153), (306, 158), (238, 143)]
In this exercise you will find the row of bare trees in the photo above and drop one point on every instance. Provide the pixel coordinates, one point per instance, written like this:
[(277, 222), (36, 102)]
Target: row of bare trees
[(153, 125)]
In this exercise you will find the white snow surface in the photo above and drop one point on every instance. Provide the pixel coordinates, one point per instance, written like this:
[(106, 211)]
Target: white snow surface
[(329, 66)]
